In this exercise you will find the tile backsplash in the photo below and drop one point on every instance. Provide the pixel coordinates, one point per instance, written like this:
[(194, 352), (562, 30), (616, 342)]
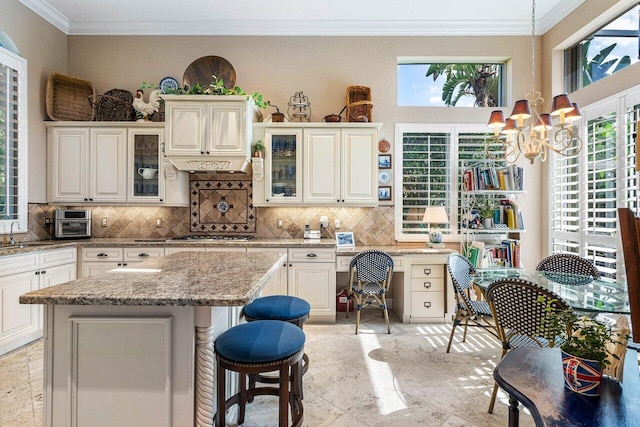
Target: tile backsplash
[(371, 226)]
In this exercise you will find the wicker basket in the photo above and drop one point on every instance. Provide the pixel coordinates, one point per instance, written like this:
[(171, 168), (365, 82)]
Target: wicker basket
[(359, 103), (67, 98), (114, 105)]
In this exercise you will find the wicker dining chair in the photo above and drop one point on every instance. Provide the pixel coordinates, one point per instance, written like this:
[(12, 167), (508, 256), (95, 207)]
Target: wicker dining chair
[(478, 313), (369, 280), (568, 263), (519, 315)]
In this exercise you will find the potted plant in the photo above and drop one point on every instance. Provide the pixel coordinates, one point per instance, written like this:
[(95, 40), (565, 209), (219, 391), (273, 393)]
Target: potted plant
[(257, 148), (217, 87), (486, 213), (584, 347)]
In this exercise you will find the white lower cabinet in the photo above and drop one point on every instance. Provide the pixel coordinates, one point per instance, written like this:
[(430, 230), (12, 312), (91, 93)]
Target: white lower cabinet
[(19, 274), (309, 274), (95, 260)]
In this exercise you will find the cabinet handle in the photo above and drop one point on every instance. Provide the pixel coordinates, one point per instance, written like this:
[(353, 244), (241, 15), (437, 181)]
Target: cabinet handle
[(312, 255), (143, 255), (119, 264), (427, 271), (43, 272), (427, 285), (37, 273), (102, 255), (124, 264), (427, 304)]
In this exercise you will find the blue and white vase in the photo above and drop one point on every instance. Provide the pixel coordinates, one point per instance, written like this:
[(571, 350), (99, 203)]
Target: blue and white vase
[(582, 376)]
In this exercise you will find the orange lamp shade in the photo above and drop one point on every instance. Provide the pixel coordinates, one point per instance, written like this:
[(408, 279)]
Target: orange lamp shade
[(496, 120), (543, 123), (561, 104), (521, 110), (574, 114)]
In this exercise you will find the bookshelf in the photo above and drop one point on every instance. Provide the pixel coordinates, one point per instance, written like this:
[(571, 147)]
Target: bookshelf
[(492, 221)]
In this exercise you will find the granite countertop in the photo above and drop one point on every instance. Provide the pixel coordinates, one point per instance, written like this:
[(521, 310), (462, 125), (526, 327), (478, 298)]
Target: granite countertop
[(254, 243), (182, 279)]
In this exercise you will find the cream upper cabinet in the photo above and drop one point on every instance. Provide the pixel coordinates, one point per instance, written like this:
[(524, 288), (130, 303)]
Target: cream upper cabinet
[(87, 165), (331, 164), (340, 166), (145, 183), (206, 126)]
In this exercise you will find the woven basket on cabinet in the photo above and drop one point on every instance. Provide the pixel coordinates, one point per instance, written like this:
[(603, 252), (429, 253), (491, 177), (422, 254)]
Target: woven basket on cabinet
[(67, 98)]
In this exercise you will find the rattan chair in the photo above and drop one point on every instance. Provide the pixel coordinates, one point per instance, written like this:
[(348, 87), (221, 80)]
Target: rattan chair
[(568, 263), (478, 313), (519, 316), (369, 280), (630, 235)]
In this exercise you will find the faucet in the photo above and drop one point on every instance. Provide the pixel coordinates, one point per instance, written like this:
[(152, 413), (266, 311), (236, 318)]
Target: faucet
[(12, 240)]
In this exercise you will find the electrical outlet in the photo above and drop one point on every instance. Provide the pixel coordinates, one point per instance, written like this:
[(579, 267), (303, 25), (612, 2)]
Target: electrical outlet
[(158, 222), (48, 221), (280, 223), (336, 223), (324, 221), (104, 222)]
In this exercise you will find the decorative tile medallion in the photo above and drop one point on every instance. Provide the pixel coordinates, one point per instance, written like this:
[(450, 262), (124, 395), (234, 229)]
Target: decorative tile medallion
[(222, 206)]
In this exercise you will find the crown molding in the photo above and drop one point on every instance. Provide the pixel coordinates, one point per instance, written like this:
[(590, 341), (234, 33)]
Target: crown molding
[(555, 15), (48, 13)]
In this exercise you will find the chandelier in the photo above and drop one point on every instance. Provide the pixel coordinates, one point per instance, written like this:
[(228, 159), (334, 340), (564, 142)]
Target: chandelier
[(532, 134)]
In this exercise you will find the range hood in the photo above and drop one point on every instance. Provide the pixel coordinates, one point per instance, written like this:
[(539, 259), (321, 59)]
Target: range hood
[(212, 164)]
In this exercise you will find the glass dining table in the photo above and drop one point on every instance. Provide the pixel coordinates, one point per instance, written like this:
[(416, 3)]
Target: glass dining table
[(582, 293)]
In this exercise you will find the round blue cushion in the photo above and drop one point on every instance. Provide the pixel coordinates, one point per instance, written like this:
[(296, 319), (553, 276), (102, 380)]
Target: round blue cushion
[(277, 307), (260, 341)]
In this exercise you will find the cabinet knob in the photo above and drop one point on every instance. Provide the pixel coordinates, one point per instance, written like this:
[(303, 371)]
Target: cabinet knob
[(44, 271), (37, 273), (124, 264), (202, 152), (102, 255), (342, 200), (91, 200), (337, 200), (119, 264), (427, 271), (162, 200), (427, 285), (267, 200), (207, 152), (86, 200), (143, 255), (427, 304), (290, 265)]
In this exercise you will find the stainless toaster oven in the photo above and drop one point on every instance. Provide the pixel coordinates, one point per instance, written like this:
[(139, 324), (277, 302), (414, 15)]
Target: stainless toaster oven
[(72, 223)]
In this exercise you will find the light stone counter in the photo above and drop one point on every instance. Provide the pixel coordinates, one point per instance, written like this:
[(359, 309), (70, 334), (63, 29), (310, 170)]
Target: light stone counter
[(182, 279)]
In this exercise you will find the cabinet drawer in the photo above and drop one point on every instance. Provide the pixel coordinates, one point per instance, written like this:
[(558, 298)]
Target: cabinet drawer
[(141, 254), (427, 304), (102, 254), (344, 261), (58, 257), (12, 264), (427, 270), (428, 284), (312, 255)]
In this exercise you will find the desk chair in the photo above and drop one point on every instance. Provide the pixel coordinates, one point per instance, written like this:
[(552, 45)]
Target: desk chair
[(369, 280), (518, 315), (630, 235), (467, 310), (568, 263)]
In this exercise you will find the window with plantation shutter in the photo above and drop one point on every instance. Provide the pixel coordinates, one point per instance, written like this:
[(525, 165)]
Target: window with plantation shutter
[(430, 174), (587, 188), (13, 152)]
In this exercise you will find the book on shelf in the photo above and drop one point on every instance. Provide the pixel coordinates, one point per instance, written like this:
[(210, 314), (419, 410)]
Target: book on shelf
[(482, 178)]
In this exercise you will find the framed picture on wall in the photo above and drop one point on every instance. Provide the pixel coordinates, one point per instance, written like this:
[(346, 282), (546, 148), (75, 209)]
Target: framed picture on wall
[(384, 161), (344, 239), (384, 193)]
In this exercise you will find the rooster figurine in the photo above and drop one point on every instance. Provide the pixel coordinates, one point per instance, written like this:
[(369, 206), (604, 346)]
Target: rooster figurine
[(146, 109)]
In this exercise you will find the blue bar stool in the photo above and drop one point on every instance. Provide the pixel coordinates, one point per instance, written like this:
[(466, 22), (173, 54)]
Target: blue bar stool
[(279, 307), (254, 348)]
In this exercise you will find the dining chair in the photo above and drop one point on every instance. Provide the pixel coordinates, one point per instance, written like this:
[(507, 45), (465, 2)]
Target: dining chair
[(519, 315), (568, 263), (630, 235), (370, 275), (478, 313)]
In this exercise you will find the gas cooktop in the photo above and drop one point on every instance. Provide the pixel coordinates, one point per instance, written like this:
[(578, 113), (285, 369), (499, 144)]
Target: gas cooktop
[(239, 237)]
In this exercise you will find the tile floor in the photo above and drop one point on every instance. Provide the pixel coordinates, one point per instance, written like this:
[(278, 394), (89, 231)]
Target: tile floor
[(371, 379)]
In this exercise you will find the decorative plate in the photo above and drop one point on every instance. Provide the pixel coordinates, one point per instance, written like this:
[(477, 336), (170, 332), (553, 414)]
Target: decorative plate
[(383, 146), (384, 177), (168, 83)]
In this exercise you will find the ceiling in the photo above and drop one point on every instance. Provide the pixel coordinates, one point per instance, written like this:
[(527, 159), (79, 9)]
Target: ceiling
[(301, 17)]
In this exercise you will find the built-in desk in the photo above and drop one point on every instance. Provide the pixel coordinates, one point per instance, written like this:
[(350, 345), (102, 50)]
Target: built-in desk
[(420, 290)]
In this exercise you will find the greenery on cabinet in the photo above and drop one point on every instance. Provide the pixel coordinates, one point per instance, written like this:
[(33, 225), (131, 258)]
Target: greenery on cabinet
[(257, 148), (216, 87)]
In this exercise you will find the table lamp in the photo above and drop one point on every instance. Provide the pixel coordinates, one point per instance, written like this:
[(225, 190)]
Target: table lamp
[(435, 215)]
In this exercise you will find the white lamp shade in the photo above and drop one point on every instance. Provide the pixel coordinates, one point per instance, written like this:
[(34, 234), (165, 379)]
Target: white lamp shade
[(435, 215)]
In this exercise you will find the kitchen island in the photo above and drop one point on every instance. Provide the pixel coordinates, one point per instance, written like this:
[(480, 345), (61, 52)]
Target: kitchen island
[(134, 346)]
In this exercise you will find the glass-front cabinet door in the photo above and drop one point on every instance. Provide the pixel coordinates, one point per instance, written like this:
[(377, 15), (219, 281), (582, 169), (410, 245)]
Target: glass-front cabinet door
[(283, 166), (145, 174)]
